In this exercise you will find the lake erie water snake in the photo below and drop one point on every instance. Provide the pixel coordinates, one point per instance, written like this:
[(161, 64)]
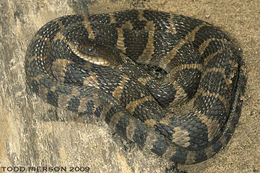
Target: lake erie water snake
[(130, 68)]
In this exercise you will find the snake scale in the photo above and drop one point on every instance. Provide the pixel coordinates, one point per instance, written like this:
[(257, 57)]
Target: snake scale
[(130, 68)]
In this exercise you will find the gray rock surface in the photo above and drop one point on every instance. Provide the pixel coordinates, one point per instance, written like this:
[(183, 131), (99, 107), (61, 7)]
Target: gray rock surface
[(35, 134)]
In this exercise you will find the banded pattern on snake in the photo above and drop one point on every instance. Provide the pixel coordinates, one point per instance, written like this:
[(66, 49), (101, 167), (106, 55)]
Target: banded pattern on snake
[(130, 68)]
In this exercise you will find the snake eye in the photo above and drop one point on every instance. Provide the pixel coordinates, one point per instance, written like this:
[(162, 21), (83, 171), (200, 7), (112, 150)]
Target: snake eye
[(91, 51)]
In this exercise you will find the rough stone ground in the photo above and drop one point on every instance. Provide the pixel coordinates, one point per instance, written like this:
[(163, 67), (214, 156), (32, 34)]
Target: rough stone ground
[(33, 133)]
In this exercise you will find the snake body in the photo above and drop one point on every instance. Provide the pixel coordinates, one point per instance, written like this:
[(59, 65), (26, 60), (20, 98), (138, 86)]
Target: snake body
[(130, 68)]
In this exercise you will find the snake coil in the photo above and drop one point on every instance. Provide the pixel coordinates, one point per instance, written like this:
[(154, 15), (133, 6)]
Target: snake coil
[(130, 68)]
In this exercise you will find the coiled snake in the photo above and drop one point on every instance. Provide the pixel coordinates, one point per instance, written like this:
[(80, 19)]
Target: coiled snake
[(129, 68)]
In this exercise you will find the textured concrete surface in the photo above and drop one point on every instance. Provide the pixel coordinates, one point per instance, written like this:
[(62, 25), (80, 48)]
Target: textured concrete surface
[(33, 133)]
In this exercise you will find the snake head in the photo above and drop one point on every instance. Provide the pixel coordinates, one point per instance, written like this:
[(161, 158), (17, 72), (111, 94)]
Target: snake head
[(94, 53)]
